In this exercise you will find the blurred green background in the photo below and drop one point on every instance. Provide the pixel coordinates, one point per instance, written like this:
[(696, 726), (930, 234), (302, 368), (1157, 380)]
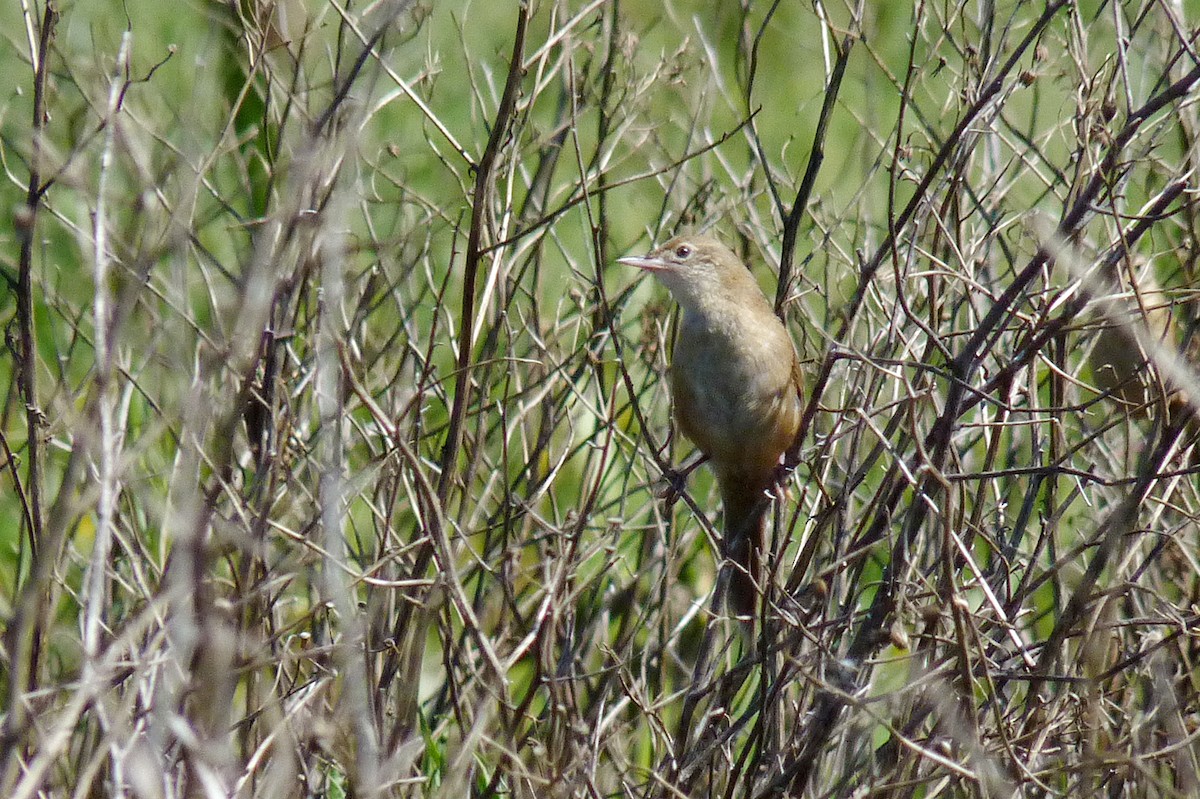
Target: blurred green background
[(287, 219)]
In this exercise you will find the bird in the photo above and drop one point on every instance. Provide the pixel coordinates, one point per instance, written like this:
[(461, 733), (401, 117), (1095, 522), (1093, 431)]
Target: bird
[(1124, 368), (1120, 367), (736, 389)]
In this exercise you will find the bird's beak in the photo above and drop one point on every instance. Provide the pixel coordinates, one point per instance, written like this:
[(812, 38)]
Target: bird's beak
[(644, 262)]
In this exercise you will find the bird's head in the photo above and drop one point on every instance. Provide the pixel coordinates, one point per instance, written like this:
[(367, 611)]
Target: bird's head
[(696, 268)]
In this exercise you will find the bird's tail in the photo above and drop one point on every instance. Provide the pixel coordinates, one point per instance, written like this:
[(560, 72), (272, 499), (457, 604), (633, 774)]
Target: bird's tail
[(746, 502)]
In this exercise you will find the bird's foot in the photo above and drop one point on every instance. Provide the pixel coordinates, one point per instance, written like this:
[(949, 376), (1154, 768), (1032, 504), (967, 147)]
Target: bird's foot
[(781, 480), (676, 481)]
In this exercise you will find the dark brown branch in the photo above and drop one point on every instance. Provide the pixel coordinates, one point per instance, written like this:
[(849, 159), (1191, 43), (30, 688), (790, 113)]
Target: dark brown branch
[(791, 222), (27, 232), (475, 251)]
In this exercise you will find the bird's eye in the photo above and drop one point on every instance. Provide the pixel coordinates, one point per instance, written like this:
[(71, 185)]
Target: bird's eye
[(683, 251)]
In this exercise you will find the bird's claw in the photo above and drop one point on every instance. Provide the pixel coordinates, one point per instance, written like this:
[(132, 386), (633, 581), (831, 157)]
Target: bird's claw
[(781, 479), (675, 481)]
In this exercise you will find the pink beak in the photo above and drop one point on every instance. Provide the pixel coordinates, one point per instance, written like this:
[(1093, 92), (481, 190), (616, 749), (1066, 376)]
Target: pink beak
[(644, 262)]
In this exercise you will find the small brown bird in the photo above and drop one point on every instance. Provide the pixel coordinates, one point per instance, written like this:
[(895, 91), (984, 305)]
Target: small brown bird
[(1122, 367), (736, 386)]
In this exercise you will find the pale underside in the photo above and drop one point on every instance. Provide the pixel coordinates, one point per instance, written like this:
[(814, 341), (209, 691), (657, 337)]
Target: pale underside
[(729, 391)]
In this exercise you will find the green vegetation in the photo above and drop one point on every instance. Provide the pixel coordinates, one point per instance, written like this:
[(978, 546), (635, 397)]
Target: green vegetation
[(337, 453)]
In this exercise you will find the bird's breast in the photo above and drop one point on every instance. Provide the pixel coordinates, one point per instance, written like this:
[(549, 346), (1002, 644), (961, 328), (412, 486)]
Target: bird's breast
[(734, 390)]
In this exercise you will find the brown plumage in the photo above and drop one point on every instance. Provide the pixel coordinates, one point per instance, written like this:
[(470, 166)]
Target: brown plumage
[(736, 386), (1124, 368), (1120, 366)]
